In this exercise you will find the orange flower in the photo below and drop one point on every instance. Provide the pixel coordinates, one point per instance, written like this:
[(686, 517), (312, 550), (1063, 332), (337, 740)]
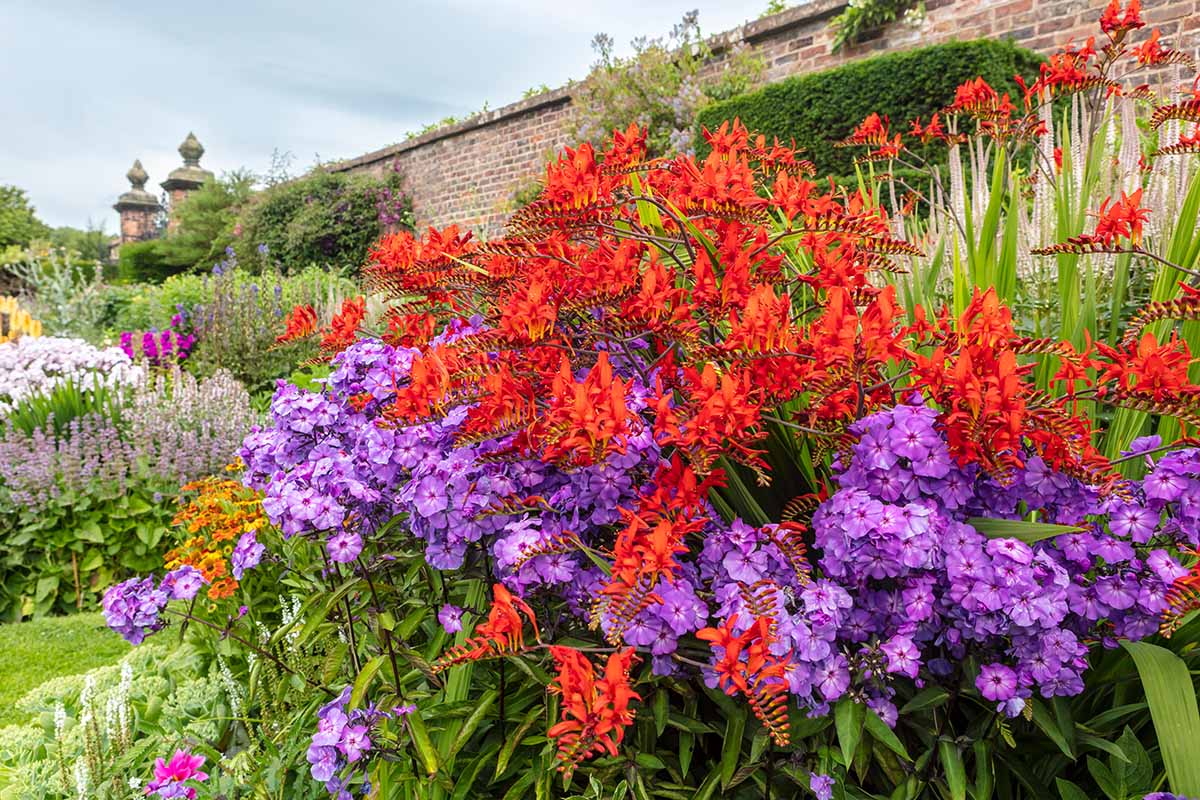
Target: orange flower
[(1116, 23), (1122, 219), (219, 513), (300, 323), (503, 633), (595, 712)]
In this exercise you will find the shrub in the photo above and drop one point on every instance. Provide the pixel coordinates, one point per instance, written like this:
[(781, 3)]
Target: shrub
[(819, 109), (204, 221), (327, 218), (661, 87), (151, 261)]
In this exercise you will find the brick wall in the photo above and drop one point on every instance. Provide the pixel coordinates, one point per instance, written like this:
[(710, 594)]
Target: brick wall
[(467, 173)]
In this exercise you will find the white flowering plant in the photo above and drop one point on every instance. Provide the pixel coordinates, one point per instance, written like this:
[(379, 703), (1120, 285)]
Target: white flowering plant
[(31, 366)]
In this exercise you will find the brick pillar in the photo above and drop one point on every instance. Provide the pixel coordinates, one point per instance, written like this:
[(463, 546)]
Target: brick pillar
[(138, 208), (186, 179)]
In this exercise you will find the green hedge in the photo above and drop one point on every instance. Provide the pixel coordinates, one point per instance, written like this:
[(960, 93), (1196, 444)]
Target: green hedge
[(151, 261), (818, 109)]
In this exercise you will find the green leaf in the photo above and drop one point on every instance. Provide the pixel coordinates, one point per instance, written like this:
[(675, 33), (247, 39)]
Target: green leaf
[(514, 739), (1139, 772), (929, 697), (90, 531), (471, 724), (706, 790), (952, 765), (661, 707), (881, 733), (1049, 726), (1172, 699), (363, 681), (467, 777), (649, 761), (985, 772), (1028, 532), (422, 744), (1103, 744), (848, 717), (731, 747), (1109, 783), (1069, 791)]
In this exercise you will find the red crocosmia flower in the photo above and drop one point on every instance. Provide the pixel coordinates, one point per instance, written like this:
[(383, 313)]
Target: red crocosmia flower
[(1115, 23), (1147, 369), (628, 148), (646, 548), (595, 711), (871, 131), (746, 666), (300, 323), (503, 633), (1122, 220), (977, 98), (730, 138), (586, 420), (343, 329)]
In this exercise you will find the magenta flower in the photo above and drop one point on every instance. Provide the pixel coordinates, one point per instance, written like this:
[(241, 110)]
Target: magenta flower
[(169, 777)]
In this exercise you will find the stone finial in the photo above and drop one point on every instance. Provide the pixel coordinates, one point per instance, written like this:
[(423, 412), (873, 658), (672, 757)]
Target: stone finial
[(137, 175), (191, 150)]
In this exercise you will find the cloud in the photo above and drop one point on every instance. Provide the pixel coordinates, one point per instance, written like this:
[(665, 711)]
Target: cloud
[(92, 84)]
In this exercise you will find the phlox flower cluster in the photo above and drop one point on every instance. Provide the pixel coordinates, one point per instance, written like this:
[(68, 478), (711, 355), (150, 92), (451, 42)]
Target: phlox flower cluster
[(133, 608), (929, 589), (35, 365), (807, 614), (327, 466), (342, 740)]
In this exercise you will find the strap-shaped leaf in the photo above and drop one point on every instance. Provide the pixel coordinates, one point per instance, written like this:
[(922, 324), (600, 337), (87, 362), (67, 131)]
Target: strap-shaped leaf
[(1172, 699)]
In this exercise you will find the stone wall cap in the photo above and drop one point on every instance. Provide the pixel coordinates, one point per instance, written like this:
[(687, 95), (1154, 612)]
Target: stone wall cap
[(136, 199), (559, 96), (186, 177)]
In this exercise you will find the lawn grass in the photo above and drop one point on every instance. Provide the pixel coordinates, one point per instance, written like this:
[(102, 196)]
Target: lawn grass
[(32, 653)]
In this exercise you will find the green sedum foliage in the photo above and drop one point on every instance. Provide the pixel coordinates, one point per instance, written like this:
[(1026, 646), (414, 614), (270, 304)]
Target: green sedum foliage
[(819, 109)]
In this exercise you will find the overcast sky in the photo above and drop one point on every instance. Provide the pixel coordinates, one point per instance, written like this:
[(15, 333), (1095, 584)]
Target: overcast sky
[(87, 86)]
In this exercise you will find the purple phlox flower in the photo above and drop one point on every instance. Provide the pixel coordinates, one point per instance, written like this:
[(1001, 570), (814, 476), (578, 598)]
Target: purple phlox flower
[(821, 785), (344, 547), (902, 655), (997, 682), (451, 618), (247, 554), (182, 583)]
